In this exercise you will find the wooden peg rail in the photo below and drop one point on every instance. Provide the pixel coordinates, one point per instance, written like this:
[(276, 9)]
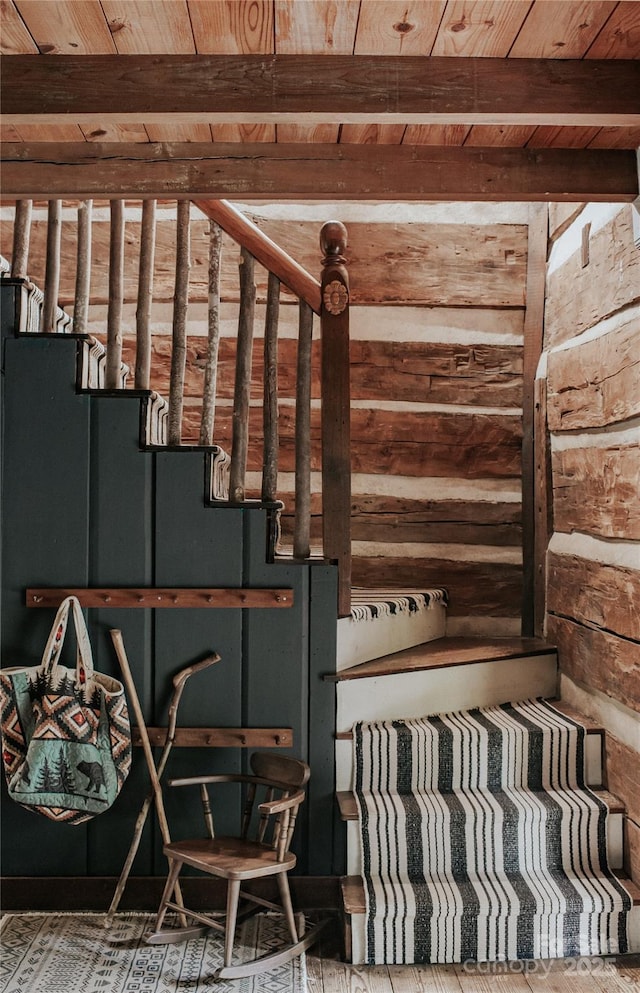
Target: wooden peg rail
[(220, 737), (163, 597)]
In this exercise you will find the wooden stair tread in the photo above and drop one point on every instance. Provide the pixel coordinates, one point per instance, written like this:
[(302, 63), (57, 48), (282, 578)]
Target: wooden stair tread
[(347, 805), (590, 726), (443, 653), (349, 808), (353, 897)]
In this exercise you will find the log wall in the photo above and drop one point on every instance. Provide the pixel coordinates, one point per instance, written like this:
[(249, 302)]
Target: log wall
[(592, 344), (436, 380)]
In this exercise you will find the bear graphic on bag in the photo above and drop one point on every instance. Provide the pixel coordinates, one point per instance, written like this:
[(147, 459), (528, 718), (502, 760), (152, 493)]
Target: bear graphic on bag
[(94, 773)]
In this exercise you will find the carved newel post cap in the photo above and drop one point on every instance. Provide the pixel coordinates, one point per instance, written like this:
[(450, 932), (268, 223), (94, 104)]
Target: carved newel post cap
[(333, 240)]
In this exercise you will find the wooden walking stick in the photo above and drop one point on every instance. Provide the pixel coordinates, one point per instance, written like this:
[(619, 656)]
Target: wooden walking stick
[(179, 681)]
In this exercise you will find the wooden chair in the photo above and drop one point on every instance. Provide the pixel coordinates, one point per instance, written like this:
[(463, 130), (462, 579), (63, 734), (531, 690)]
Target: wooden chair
[(274, 792)]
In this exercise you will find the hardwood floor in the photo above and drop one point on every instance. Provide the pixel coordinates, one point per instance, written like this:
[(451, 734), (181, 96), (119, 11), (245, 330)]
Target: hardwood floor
[(328, 974)]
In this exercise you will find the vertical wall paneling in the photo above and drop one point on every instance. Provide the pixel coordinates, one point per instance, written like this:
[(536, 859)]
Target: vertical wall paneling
[(196, 545), (87, 507), (45, 483), (121, 554), (276, 649), (326, 847)]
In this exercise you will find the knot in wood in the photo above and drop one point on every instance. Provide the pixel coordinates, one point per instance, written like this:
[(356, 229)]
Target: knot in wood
[(333, 242)]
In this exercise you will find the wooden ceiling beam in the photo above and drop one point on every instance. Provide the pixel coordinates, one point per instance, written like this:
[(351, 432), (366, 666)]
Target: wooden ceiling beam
[(249, 89), (315, 172)]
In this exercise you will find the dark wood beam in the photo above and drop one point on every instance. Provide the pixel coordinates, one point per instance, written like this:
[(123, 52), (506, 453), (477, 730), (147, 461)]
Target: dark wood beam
[(533, 541), (94, 89), (316, 172)]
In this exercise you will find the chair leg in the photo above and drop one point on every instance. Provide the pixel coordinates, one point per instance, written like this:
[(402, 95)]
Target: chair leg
[(233, 895), (174, 872), (172, 935), (285, 896)]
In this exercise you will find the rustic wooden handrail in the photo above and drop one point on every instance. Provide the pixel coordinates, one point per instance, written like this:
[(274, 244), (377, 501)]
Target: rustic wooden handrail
[(52, 267), (145, 294), (328, 297), (270, 432), (264, 250), (207, 420), (180, 303), (302, 530), (83, 268), (21, 236), (116, 295), (242, 392), (336, 408)]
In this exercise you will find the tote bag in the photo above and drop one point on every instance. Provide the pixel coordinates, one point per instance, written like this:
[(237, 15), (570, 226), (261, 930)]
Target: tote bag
[(66, 738)]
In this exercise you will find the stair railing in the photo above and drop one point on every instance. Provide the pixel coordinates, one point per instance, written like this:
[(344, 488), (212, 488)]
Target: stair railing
[(329, 298), (336, 406)]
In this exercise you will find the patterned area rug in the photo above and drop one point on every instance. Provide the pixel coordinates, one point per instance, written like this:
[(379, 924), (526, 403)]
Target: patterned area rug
[(74, 953), (481, 842)]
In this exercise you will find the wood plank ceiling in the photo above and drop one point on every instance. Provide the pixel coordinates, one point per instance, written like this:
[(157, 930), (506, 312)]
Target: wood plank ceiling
[(509, 29)]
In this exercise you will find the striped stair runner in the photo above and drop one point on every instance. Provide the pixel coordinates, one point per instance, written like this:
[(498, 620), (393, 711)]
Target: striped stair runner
[(366, 605), (481, 841)]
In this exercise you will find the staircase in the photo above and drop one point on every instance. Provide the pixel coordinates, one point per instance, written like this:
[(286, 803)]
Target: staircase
[(439, 676), (393, 657), (94, 500)]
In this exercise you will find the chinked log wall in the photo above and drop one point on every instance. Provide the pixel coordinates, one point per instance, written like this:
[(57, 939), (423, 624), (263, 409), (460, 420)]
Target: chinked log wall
[(592, 343), (437, 317)]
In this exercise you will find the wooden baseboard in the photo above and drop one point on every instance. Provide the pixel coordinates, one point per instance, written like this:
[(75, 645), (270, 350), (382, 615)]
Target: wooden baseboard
[(47, 894)]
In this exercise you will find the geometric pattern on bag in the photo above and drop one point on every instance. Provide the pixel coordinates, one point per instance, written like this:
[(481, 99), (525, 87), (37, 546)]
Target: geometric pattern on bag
[(14, 746), (62, 716), (66, 738), (120, 731)]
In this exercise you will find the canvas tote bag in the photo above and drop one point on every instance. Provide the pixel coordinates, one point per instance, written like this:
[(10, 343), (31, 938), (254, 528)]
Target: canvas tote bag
[(66, 738)]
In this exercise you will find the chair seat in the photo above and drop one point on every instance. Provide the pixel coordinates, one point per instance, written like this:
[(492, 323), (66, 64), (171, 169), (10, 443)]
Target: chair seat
[(230, 858)]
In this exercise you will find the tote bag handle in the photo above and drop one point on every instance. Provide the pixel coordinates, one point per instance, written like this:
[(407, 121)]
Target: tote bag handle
[(53, 648)]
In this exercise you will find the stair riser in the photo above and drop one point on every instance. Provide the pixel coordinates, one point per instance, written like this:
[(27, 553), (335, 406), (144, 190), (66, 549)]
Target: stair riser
[(361, 641), (442, 690), (417, 694), (615, 824), (357, 929)]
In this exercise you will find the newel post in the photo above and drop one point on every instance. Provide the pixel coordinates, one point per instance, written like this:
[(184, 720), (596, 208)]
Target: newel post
[(336, 408)]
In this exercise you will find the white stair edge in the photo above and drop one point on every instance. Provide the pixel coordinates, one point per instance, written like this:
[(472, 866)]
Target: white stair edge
[(615, 843), (358, 935), (633, 931), (433, 691), (593, 764), (363, 640)]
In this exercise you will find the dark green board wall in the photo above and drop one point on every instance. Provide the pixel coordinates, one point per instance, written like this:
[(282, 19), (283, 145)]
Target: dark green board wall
[(82, 505)]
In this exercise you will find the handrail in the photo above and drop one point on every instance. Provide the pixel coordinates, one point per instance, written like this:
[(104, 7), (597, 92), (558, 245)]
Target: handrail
[(264, 250), (329, 297)]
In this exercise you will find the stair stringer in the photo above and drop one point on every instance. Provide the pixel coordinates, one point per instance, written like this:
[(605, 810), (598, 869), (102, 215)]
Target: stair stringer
[(88, 507)]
